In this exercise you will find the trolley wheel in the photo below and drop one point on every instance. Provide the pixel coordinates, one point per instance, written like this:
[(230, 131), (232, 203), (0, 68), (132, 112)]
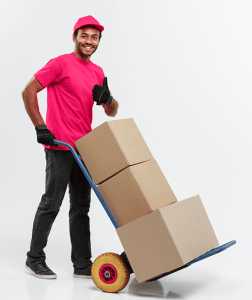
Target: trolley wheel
[(110, 273)]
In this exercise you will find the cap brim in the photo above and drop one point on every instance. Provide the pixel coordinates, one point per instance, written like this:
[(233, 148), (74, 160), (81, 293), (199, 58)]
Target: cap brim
[(100, 27)]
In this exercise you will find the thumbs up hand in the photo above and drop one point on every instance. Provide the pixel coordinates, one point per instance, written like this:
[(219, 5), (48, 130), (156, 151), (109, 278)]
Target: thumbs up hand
[(101, 94)]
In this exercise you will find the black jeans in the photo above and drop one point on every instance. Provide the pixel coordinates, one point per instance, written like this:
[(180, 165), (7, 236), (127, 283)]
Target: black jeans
[(62, 170)]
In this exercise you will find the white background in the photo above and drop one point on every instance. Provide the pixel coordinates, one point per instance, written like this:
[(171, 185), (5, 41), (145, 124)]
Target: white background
[(182, 70)]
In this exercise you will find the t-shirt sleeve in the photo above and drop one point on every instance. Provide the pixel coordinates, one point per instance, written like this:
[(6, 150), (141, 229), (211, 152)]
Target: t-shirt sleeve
[(50, 73)]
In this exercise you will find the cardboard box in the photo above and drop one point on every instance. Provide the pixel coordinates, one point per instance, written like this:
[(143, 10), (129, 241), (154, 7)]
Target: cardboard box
[(167, 238), (136, 191), (112, 147)]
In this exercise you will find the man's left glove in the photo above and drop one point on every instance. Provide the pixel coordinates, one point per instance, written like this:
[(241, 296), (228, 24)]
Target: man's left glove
[(44, 136), (101, 94)]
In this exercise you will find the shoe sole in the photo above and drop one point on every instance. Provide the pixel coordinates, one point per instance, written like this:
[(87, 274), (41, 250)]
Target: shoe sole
[(41, 276), (82, 276)]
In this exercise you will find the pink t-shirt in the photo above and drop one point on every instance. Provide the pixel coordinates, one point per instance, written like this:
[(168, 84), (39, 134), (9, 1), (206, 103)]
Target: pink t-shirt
[(69, 83)]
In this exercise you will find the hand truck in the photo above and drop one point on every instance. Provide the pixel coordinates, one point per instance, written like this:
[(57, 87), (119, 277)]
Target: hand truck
[(110, 271)]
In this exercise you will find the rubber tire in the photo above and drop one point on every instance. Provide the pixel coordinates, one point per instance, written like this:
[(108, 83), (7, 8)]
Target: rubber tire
[(123, 273)]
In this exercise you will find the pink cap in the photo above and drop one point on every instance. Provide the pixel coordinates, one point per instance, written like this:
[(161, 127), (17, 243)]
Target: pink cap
[(88, 20)]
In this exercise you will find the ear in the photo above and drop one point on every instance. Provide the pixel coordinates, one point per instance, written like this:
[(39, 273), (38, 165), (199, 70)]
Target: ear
[(74, 38)]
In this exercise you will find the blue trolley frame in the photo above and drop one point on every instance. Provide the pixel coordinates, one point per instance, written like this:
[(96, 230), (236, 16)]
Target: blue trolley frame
[(113, 220)]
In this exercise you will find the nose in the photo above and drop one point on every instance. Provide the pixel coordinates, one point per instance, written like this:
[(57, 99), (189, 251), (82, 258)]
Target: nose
[(89, 40)]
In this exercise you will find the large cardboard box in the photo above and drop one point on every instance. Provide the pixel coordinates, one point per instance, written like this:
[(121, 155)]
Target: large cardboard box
[(167, 238), (112, 147), (136, 191)]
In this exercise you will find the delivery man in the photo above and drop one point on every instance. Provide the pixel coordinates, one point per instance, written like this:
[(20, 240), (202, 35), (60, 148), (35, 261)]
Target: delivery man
[(73, 84)]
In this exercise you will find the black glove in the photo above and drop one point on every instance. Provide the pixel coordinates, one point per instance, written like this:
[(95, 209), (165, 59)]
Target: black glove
[(44, 136), (101, 94)]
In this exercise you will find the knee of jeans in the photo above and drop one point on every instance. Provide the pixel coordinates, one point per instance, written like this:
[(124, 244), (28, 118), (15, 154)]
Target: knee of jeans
[(80, 207), (50, 204)]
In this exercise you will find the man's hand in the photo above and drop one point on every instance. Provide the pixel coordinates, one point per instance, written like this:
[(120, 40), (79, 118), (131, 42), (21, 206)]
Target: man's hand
[(101, 94), (44, 136)]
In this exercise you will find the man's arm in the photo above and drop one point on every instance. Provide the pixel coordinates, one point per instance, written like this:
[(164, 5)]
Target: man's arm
[(111, 110), (29, 95)]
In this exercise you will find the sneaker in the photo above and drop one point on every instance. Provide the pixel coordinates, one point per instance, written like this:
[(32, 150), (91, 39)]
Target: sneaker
[(40, 269), (83, 273)]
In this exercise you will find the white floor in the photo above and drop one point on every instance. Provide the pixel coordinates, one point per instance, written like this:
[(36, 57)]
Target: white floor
[(223, 276)]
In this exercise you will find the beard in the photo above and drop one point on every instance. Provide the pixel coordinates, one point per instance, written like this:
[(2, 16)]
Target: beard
[(82, 52)]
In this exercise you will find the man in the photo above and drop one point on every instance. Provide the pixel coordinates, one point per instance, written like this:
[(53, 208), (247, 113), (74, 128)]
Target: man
[(73, 84)]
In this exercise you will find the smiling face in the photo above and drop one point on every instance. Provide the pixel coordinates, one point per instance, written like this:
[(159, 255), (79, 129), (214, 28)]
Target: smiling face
[(86, 42)]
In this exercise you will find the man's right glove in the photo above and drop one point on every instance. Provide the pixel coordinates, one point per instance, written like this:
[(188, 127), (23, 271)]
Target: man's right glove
[(44, 136)]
